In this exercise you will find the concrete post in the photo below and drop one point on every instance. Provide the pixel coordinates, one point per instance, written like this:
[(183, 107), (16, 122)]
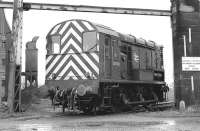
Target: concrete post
[(15, 56)]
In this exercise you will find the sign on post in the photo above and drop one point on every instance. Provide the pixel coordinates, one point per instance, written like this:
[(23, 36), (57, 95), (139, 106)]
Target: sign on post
[(190, 63)]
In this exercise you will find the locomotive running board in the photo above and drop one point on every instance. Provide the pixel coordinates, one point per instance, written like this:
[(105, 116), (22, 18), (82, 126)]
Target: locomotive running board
[(165, 104), (142, 102), (131, 81)]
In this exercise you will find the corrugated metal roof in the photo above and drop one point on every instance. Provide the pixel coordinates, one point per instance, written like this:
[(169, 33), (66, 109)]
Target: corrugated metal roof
[(124, 37)]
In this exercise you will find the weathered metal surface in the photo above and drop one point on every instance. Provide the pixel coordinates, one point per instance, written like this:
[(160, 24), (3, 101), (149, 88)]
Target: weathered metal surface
[(84, 8), (14, 81), (5, 41), (186, 31), (17, 30)]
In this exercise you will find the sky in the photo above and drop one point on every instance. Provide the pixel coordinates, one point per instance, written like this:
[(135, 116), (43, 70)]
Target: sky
[(156, 28)]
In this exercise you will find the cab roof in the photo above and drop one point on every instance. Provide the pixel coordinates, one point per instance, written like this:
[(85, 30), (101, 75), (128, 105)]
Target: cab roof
[(90, 26)]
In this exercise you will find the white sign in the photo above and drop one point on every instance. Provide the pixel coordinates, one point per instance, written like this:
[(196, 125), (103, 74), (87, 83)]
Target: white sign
[(190, 63)]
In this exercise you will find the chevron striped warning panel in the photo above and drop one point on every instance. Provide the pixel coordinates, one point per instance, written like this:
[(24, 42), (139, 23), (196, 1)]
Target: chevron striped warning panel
[(71, 34), (75, 66), (72, 62)]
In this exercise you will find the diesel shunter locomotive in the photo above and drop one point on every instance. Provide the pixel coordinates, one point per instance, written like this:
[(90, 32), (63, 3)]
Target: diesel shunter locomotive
[(102, 68)]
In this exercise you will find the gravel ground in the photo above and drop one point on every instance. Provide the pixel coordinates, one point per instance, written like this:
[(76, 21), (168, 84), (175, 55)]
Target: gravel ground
[(41, 117)]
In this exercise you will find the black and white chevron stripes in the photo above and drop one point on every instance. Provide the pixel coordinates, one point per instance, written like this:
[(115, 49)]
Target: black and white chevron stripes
[(72, 62)]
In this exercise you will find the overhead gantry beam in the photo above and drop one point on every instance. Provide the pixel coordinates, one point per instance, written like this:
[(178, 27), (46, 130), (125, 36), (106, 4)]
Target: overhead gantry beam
[(85, 8)]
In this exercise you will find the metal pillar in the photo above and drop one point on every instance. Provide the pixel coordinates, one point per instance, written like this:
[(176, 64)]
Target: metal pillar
[(85, 8), (14, 81)]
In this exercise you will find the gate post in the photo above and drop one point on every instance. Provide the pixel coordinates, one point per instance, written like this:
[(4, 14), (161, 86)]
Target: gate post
[(14, 80)]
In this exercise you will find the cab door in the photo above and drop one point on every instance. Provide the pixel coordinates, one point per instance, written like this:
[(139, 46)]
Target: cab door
[(108, 57), (115, 59), (123, 64)]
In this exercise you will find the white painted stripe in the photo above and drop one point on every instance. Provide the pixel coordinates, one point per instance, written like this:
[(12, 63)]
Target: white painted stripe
[(53, 63), (58, 77), (55, 29), (71, 31), (80, 73), (192, 83), (61, 63), (76, 24), (64, 27), (71, 51), (190, 35), (71, 42), (71, 63), (81, 63), (95, 56), (88, 25), (91, 63), (94, 77), (71, 74), (49, 58), (185, 46)]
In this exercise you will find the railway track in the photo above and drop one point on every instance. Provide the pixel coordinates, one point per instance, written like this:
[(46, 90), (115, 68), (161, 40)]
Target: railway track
[(160, 106), (167, 104)]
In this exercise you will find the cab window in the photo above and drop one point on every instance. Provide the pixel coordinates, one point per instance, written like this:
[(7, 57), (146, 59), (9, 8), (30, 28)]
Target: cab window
[(90, 41), (55, 44), (115, 49), (107, 46)]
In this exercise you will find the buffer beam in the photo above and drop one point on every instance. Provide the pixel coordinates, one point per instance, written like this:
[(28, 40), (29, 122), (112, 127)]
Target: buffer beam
[(85, 8)]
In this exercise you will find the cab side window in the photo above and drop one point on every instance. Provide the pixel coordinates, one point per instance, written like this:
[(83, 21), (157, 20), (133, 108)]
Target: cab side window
[(107, 41), (55, 44), (90, 41)]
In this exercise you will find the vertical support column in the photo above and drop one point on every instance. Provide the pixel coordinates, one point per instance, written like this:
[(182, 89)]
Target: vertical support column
[(185, 28), (31, 61), (14, 82)]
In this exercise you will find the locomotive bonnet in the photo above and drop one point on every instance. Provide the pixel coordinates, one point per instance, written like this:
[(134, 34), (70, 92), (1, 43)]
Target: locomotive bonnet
[(103, 67)]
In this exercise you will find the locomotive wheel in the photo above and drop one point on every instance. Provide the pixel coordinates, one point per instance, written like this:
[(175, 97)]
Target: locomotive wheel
[(64, 105), (63, 108), (87, 109)]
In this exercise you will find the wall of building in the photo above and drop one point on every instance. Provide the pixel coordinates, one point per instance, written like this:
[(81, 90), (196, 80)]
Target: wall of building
[(5, 41), (186, 43)]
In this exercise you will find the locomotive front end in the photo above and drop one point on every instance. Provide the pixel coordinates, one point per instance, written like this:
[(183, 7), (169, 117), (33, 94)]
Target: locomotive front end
[(72, 60)]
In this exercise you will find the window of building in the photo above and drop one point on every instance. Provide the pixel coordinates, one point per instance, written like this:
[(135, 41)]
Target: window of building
[(90, 41), (55, 44), (3, 61)]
